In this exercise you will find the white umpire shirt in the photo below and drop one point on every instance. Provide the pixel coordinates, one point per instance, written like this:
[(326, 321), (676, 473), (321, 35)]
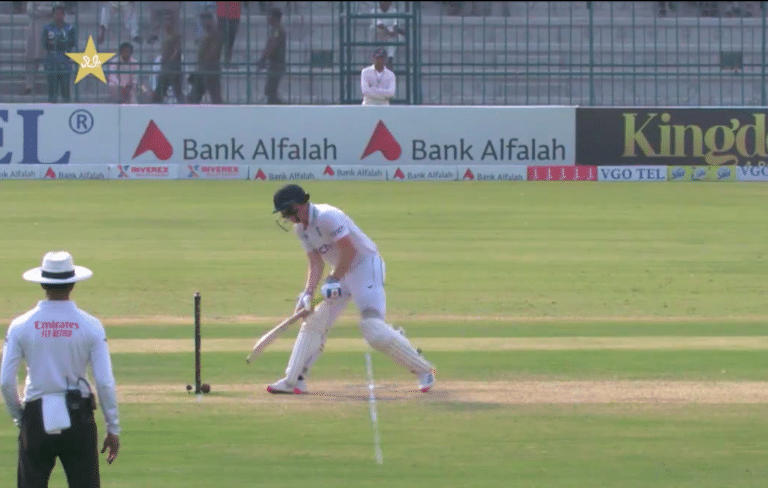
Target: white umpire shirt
[(327, 224), (58, 340), (377, 86)]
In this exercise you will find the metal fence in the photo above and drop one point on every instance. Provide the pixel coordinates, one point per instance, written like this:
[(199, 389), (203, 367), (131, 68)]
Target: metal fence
[(456, 53)]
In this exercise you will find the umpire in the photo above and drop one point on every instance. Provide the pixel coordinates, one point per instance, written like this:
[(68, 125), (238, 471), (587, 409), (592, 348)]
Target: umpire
[(57, 340)]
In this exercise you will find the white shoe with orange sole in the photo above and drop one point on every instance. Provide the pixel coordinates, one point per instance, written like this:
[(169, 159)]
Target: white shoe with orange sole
[(282, 386), (426, 381)]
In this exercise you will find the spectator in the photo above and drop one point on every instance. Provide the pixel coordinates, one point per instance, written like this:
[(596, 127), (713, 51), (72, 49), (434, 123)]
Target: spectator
[(170, 63), (708, 9), (664, 7), (39, 14), (273, 56), (453, 8), (70, 8), (229, 20), (201, 8), (124, 81), (59, 38), (377, 83), (738, 9), (126, 13), (208, 75), (158, 12), (386, 29)]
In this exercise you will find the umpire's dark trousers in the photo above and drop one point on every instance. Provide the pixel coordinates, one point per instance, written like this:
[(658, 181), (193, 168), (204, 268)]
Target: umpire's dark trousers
[(75, 447)]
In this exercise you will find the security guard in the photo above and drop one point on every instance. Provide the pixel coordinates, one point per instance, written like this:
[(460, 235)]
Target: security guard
[(57, 340)]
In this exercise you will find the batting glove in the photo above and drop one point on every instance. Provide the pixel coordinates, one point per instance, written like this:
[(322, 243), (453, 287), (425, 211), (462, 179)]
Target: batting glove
[(331, 288), (304, 301)]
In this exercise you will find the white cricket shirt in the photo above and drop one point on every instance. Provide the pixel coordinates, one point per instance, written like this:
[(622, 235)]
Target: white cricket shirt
[(58, 340), (327, 224), (390, 24), (377, 86)]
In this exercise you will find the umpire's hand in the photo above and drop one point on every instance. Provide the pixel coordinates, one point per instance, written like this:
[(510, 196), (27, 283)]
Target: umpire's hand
[(111, 442)]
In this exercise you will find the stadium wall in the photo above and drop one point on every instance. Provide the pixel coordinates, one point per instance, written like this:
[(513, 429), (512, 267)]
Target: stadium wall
[(554, 143)]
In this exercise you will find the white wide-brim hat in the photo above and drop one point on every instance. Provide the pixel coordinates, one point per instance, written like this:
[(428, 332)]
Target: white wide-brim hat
[(58, 268)]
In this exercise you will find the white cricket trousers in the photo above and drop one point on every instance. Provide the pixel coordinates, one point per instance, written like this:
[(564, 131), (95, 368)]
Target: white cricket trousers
[(364, 285)]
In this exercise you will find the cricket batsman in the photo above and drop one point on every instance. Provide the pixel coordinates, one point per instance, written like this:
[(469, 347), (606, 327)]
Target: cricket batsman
[(357, 273)]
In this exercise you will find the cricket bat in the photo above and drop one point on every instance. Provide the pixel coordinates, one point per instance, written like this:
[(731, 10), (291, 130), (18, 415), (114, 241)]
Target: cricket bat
[(270, 336)]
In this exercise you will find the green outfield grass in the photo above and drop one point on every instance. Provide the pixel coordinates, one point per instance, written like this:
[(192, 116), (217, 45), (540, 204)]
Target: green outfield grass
[(533, 249), (457, 327), (618, 276), (702, 365)]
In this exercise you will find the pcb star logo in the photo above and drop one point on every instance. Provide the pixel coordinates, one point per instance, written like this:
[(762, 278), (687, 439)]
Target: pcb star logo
[(90, 61)]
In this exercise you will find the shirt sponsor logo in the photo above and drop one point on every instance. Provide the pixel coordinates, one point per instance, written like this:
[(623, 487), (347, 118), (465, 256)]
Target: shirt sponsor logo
[(56, 325), (56, 329)]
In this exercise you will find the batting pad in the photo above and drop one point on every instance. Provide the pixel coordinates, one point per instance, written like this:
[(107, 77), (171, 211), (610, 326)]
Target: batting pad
[(308, 345), (320, 322), (320, 319), (382, 337)]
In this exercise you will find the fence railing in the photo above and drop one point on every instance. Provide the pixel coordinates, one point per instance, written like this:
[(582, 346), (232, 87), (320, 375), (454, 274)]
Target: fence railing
[(471, 53)]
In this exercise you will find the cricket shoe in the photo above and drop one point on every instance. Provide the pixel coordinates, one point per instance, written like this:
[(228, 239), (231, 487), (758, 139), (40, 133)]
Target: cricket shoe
[(426, 381), (282, 386)]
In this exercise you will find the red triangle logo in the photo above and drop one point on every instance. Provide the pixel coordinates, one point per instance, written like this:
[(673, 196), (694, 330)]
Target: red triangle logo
[(399, 174), (328, 171), (50, 173), (468, 175), (383, 141), (260, 175), (155, 141)]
